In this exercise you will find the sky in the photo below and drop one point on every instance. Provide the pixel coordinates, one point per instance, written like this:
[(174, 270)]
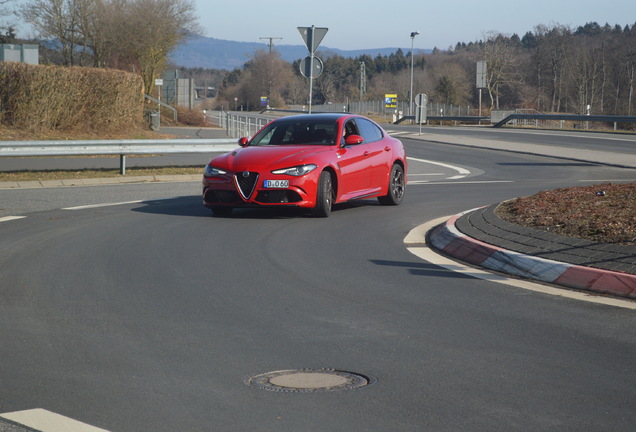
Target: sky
[(388, 24)]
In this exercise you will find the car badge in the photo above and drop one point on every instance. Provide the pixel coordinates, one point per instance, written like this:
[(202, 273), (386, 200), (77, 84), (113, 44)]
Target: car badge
[(246, 174)]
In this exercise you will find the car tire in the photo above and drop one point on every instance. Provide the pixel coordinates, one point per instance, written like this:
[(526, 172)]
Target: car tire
[(396, 187), (324, 196), (221, 210)]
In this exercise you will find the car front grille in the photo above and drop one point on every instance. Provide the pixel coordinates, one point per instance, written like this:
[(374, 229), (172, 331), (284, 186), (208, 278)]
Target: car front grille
[(278, 196), (246, 182), (222, 196)]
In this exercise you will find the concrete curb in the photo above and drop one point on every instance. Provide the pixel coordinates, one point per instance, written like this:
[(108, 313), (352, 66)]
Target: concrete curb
[(448, 239)]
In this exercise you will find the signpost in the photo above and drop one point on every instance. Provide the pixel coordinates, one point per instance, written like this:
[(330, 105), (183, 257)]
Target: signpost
[(421, 102), (481, 80), (312, 36), (158, 84)]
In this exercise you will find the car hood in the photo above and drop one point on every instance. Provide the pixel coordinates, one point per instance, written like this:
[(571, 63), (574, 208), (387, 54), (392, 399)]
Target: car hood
[(268, 157)]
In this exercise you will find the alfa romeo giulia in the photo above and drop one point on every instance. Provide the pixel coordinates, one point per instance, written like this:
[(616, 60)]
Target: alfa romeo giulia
[(311, 161)]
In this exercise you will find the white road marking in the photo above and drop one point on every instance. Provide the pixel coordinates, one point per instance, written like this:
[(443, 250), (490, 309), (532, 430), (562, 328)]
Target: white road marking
[(47, 421), (462, 171), (102, 205), (428, 182), (415, 243), (10, 218), (426, 174)]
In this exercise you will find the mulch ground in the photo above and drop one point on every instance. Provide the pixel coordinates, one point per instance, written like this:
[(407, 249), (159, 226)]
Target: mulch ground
[(603, 213)]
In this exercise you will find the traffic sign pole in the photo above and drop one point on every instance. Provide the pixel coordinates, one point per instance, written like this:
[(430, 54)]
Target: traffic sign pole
[(311, 68), (312, 37), (421, 100), (312, 49)]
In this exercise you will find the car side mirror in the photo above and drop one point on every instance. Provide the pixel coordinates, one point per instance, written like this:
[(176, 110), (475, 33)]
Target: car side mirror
[(353, 139), (243, 141)]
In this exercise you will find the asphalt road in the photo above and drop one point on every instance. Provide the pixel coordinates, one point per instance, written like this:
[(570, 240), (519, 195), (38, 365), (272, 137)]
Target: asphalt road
[(150, 316)]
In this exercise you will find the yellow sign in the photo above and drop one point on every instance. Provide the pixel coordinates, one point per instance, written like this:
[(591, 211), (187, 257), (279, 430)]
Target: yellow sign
[(390, 101)]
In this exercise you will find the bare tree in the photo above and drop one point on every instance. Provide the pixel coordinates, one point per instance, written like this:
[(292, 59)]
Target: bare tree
[(585, 77), (503, 60), (130, 34), (551, 57), (153, 28), (450, 83), (53, 19)]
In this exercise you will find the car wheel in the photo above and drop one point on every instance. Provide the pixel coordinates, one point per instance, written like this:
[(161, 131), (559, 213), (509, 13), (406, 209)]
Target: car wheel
[(396, 187), (324, 196), (221, 210)]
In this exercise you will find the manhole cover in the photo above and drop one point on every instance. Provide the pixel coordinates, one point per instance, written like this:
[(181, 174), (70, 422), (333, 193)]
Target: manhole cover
[(308, 380)]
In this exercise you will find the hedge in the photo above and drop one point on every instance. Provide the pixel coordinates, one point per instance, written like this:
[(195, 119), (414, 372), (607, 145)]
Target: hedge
[(37, 97)]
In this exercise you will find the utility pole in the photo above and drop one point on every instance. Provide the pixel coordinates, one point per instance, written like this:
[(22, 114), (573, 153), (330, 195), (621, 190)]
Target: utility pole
[(271, 42), (363, 80), (270, 73), (413, 34)]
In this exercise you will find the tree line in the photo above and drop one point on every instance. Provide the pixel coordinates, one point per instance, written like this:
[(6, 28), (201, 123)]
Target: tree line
[(132, 35), (556, 68)]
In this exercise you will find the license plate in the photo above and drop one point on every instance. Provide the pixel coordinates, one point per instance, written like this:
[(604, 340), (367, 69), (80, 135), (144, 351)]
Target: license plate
[(276, 184)]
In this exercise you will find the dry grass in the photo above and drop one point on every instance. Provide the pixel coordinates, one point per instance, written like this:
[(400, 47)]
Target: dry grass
[(23, 176), (603, 213), (131, 132)]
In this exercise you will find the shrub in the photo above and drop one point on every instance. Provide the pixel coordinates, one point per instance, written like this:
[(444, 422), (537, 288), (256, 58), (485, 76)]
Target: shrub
[(40, 98)]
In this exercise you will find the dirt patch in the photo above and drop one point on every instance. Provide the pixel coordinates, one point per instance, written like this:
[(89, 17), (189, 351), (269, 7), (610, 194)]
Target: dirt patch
[(604, 213)]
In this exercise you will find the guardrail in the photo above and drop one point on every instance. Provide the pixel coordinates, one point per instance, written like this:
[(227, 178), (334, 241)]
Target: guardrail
[(446, 118), (542, 117), (568, 117), (114, 147)]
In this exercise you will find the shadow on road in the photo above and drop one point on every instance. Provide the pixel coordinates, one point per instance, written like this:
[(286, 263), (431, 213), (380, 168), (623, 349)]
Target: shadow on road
[(192, 206), (423, 269)]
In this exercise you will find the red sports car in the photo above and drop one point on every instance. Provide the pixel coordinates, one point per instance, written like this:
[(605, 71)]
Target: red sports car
[(311, 161)]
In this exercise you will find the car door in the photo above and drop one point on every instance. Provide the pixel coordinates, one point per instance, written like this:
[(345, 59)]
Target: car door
[(376, 154), (352, 162)]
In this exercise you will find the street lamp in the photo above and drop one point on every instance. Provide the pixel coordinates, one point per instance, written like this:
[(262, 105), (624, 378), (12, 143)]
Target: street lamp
[(413, 34)]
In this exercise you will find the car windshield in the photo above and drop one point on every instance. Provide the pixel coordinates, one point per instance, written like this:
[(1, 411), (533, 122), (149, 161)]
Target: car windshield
[(294, 131)]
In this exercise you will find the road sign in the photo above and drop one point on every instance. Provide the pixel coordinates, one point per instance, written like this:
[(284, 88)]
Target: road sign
[(421, 114), (481, 74), (306, 67), (311, 67), (312, 36), (421, 100), (390, 101)]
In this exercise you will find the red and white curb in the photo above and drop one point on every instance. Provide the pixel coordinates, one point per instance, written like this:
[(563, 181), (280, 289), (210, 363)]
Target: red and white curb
[(448, 239)]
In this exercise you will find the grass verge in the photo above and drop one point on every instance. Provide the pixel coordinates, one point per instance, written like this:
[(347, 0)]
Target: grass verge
[(22, 176)]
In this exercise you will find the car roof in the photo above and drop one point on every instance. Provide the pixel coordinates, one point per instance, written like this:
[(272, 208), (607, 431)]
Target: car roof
[(319, 116)]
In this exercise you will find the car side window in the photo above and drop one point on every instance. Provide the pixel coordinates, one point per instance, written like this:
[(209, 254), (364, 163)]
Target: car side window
[(350, 128), (369, 131)]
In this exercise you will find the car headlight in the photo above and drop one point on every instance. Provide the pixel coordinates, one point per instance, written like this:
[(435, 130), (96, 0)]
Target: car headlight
[(296, 171), (211, 171)]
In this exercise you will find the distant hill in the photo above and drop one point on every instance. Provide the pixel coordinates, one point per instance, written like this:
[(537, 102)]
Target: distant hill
[(211, 53)]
